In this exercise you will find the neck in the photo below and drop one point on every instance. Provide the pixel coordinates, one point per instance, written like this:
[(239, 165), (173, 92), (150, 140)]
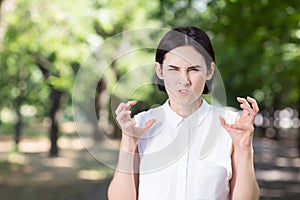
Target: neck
[(185, 110)]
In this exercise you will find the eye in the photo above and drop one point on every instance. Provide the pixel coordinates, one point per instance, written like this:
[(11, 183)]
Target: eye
[(173, 68), (194, 68)]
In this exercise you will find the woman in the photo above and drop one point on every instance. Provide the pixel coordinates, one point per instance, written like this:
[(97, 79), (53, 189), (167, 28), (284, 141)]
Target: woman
[(186, 148)]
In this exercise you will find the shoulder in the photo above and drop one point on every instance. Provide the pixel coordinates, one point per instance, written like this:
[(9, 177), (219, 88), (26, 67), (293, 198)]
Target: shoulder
[(142, 117), (228, 113), (230, 116)]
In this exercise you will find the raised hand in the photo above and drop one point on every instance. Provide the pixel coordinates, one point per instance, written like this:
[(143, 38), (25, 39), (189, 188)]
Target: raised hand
[(242, 130), (128, 124)]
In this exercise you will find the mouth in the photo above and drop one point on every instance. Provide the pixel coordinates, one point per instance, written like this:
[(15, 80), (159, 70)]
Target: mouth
[(183, 91)]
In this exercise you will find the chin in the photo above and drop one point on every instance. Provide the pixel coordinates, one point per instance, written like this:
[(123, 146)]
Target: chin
[(189, 99), (187, 102)]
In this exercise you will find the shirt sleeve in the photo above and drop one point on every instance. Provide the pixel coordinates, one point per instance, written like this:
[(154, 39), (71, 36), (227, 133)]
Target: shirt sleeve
[(140, 119), (231, 116)]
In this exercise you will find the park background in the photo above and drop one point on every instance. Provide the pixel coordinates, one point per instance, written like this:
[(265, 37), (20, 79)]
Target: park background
[(43, 44)]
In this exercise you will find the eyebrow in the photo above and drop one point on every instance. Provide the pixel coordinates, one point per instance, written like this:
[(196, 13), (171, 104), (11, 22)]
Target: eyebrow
[(176, 67), (172, 66)]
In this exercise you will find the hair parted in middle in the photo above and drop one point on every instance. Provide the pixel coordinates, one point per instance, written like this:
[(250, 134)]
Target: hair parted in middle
[(185, 36)]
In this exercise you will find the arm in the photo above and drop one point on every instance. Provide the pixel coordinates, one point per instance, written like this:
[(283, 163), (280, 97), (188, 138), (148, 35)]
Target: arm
[(124, 184), (243, 183)]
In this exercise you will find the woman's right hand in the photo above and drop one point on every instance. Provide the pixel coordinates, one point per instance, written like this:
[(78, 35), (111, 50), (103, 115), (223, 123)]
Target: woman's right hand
[(130, 132)]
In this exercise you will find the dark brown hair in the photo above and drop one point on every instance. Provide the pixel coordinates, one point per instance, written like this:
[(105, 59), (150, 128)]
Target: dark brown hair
[(185, 36)]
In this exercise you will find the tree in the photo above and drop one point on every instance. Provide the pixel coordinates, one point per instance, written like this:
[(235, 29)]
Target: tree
[(45, 43), (257, 50), (43, 39)]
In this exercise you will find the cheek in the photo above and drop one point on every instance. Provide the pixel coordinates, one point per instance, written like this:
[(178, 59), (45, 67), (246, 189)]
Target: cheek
[(198, 78), (170, 77), (198, 83)]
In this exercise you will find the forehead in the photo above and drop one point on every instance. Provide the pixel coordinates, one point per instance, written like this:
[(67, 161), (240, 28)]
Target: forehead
[(184, 56)]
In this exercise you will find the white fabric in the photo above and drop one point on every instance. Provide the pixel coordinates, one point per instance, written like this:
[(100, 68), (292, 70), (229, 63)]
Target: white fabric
[(185, 158)]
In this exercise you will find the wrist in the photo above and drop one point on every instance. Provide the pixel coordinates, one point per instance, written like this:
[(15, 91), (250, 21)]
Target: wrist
[(244, 145), (128, 144), (243, 154), (242, 150)]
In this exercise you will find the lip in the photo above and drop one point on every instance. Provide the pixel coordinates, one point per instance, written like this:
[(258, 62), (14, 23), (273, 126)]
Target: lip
[(183, 91)]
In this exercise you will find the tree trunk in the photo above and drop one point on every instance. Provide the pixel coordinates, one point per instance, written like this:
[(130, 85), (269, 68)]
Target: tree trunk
[(18, 127), (100, 107), (55, 96), (299, 131), (53, 132)]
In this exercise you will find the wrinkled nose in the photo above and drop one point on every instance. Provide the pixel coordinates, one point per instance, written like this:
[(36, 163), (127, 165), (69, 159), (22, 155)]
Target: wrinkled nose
[(184, 79)]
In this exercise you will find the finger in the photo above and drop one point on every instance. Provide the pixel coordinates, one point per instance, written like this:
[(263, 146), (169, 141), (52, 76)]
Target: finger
[(245, 106), (148, 124), (127, 127), (123, 116), (121, 107), (128, 106), (223, 121), (225, 125), (253, 104), (243, 101), (235, 127), (131, 103), (124, 113), (125, 106), (234, 132), (241, 127), (138, 132), (248, 109)]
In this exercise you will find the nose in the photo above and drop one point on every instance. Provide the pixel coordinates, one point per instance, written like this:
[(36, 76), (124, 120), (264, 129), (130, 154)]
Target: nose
[(184, 78)]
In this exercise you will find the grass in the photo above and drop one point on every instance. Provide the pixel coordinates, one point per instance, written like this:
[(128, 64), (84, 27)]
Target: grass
[(28, 131), (6, 167), (29, 175)]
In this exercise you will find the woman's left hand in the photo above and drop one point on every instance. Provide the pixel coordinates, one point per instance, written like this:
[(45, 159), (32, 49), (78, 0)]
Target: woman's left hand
[(242, 130)]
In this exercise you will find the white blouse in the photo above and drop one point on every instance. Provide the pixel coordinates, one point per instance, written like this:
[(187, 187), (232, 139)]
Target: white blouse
[(185, 158)]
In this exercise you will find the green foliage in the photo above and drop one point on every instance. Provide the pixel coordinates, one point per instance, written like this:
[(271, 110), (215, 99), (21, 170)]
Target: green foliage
[(43, 45), (7, 167), (256, 45), (257, 49)]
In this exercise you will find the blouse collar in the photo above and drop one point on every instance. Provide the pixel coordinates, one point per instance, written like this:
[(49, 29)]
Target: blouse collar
[(196, 116)]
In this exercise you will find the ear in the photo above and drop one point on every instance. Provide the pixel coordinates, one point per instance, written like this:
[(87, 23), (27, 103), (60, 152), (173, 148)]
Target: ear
[(211, 71), (158, 70)]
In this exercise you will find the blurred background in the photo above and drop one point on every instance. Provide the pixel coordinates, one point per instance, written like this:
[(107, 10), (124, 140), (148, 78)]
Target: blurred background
[(42, 46)]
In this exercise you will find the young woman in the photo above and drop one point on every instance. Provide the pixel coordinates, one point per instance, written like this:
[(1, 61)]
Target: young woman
[(186, 148)]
